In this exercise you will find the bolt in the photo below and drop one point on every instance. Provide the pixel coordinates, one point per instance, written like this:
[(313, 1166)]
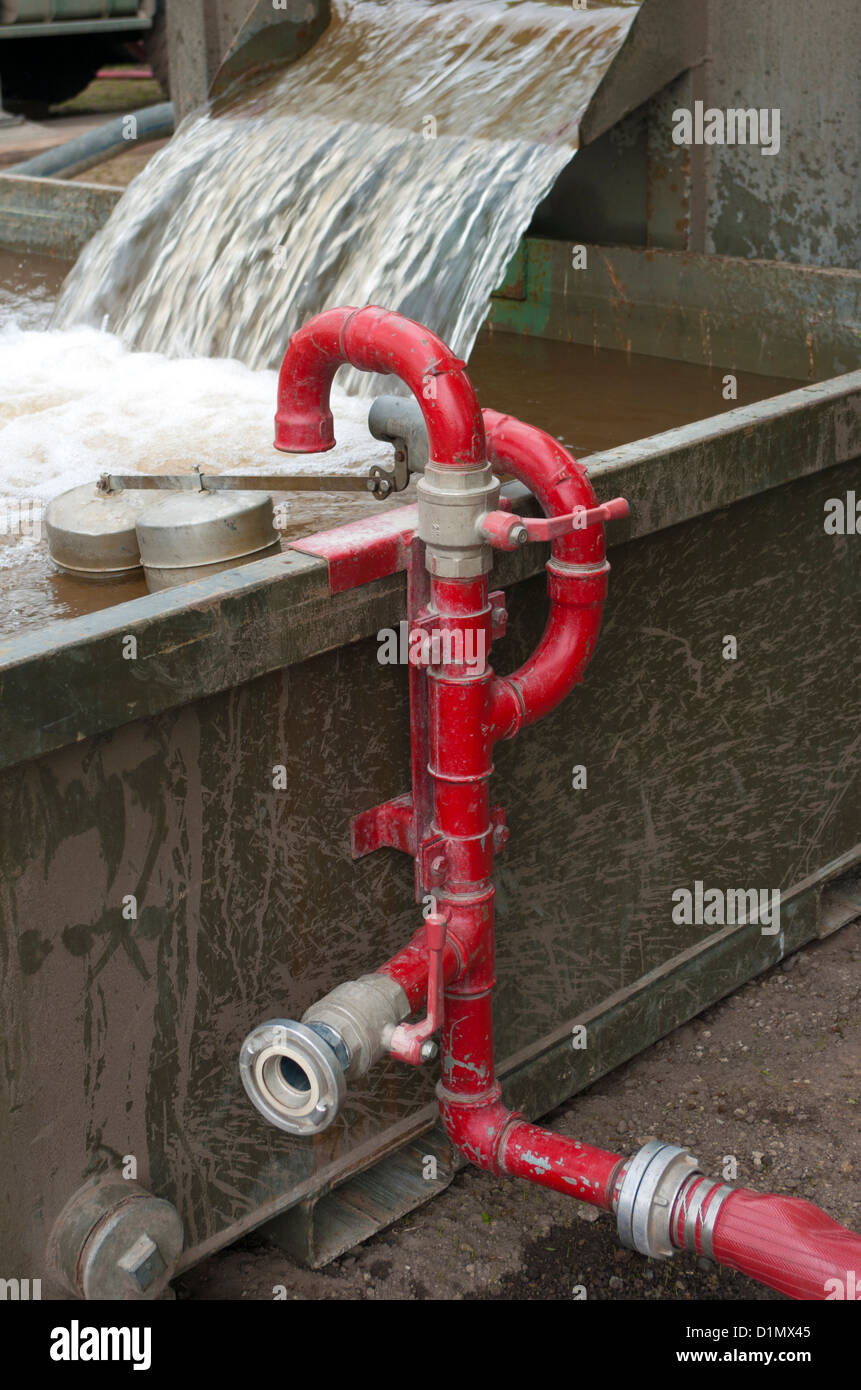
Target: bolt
[(429, 1050), (143, 1262), (438, 867), (320, 1112), (518, 535), (500, 836)]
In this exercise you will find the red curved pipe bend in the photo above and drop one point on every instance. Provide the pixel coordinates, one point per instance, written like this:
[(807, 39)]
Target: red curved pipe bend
[(576, 575), (500, 1141), (376, 340)]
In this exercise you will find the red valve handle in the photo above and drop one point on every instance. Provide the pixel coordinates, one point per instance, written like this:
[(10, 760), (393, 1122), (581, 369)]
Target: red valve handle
[(788, 1244), (411, 1041), (505, 531)]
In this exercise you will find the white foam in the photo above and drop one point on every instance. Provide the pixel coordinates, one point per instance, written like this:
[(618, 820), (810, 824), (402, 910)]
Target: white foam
[(75, 403)]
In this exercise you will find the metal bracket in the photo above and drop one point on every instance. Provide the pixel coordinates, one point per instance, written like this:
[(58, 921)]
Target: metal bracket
[(380, 481)]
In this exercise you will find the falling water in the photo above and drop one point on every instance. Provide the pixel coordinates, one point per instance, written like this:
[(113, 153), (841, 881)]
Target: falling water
[(398, 163)]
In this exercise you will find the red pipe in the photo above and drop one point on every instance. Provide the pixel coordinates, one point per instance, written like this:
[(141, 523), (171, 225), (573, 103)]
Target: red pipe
[(576, 574), (376, 340), (790, 1245)]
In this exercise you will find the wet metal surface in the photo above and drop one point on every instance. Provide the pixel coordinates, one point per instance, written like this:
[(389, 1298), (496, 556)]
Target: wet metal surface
[(238, 883)]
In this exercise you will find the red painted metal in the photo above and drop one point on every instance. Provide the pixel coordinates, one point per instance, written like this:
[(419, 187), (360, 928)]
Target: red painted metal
[(139, 74), (785, 1243), (376, 340), (408, 1039), (501, 528), (410, 966), (363, 550), (577, 574)]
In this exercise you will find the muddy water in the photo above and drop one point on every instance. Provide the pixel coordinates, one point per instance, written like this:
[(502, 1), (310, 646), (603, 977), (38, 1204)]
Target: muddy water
[(397, 163), (29, 286), (595, 400)]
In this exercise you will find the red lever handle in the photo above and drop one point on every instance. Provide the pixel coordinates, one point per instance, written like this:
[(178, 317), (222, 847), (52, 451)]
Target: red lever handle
[(506, 531), (411, 1042), (788, 1244)]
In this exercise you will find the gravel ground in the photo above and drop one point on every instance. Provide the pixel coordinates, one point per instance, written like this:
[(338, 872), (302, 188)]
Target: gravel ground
[(771, 1077)]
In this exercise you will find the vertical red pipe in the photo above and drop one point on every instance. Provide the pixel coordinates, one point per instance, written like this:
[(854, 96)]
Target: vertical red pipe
[(461, 729)]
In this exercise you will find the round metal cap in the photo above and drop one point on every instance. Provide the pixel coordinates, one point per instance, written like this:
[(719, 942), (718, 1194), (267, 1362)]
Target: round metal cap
[(158, 579), (115, 1240), (93, 532), (184, 530)]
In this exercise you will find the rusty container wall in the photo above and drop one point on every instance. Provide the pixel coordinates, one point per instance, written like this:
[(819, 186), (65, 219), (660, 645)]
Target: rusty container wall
[(161, 894)]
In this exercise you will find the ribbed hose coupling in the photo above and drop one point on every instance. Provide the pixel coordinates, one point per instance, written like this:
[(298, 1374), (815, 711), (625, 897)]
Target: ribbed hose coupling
[(653, 1181)]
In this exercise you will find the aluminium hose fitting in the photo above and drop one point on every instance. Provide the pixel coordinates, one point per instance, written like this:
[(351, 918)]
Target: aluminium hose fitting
[(295, 1074), (661, 1182)]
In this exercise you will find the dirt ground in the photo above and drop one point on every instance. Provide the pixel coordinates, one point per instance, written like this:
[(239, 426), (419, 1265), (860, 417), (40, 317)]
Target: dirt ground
[(771, 1076)]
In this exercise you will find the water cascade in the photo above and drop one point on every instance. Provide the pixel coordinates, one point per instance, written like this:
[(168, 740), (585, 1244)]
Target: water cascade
[(398, 162)]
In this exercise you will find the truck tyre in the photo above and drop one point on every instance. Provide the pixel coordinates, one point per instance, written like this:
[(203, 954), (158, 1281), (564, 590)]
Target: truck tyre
[(38, 73)]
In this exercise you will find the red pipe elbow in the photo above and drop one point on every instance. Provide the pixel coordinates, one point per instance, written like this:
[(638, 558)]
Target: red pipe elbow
[(376, 340), (499, 1140), (577, 574)]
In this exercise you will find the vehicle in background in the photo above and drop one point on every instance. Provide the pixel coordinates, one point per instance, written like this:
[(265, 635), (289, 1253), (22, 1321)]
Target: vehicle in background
[(52, 49)]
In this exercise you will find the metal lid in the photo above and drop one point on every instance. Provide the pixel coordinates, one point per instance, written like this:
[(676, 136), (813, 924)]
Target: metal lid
[(93, 532), (184, 530), (157, 579)]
